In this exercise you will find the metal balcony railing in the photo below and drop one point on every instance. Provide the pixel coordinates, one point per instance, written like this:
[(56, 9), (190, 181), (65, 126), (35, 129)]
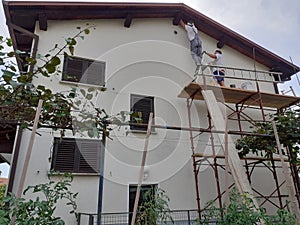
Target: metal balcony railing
[(240, 74)]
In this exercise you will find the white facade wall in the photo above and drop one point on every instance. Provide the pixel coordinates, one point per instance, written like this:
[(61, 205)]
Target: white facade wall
[(150, 58)]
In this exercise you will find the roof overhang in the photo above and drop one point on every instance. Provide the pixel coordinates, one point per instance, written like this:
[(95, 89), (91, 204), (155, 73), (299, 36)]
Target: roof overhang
[(25, 14)]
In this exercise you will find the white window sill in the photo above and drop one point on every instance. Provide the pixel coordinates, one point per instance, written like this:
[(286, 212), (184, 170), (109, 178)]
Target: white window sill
[(81, 84), (139, 132), (74, 174)]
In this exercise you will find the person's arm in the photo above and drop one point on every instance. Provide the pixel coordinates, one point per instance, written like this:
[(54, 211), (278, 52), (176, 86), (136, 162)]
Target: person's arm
[(182, 24), (211, 55)]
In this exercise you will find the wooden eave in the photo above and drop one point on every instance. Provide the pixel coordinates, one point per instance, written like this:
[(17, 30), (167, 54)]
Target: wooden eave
[(26, 13)]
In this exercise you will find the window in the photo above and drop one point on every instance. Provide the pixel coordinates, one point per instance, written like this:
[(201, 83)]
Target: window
[(141, 106), (82, 70), (143, 190), (76, 155)]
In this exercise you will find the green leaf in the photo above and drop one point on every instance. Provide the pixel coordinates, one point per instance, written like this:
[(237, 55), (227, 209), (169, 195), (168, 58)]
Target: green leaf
[(55, 61), (71, 49), (83, 92), (89, 96), (50, 68), (13, 68), (71, 95), (8, 75), (86, 31), (41, 87), (10, 54), (30, 60), (9, 42), (22, 79), (91, 89)]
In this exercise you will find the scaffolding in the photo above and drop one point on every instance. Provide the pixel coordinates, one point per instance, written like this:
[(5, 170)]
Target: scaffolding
[(237, 101)]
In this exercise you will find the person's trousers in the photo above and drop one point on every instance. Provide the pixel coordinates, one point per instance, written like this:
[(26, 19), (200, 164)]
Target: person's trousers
[(196, 50)]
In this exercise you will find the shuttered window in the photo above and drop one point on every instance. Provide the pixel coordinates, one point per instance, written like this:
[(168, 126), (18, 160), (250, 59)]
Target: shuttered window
[(141, 106), (82, 70), (76, 155)]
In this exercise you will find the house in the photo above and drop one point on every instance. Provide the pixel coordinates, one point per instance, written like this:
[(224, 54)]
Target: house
[(142, 57), (3, 181)]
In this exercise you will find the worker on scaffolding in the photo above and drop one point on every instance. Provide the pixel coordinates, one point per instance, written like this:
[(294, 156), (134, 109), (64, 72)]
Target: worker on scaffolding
[(195, 42), (219, 73)]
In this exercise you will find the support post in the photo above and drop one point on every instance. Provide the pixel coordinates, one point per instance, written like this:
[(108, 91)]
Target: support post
[(288, 180), (226, 166), (101, 177), (29, 148), (194, 161)]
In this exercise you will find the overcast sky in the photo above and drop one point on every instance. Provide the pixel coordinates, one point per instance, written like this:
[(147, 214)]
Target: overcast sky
[(273, 24)]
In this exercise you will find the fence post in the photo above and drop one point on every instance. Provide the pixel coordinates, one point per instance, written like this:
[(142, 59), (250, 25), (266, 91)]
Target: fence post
[(189, 219), (79, 218), (91, 219)]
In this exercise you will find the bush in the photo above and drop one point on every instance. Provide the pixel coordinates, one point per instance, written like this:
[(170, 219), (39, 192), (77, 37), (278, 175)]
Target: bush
[(242, 211), (40, 210)]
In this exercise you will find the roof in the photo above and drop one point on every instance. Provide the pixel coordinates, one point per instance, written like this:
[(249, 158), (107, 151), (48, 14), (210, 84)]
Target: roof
[(3, 181), (240, 96), (25, 14)]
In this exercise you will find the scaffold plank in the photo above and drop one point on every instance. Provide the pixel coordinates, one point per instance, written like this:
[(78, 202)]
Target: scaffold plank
[(237, 95), (235, 165)]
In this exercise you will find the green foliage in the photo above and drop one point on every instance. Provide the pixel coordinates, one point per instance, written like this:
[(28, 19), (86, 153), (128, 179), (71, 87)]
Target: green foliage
[(40, 210), (154, 208), (73, 109), (241, 210), (2, 194), (288, 127), (19, 96)]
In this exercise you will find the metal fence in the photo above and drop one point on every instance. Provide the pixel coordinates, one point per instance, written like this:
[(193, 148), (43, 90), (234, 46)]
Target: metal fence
[(179, 217)]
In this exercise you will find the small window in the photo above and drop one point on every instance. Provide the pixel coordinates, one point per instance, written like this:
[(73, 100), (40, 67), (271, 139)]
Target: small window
[(76, 155), (144, 189), (82, 70), (141, 106)]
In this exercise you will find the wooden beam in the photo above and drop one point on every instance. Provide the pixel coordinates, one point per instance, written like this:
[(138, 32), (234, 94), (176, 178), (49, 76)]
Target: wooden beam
[(143, 162), (43, 21), (288, 178), (29, 149), (128, 20), (176, 19)]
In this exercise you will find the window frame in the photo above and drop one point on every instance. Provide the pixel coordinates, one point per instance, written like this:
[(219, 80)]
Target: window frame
[(134, 99), (71, 155), (83, 68), (132, 188)]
